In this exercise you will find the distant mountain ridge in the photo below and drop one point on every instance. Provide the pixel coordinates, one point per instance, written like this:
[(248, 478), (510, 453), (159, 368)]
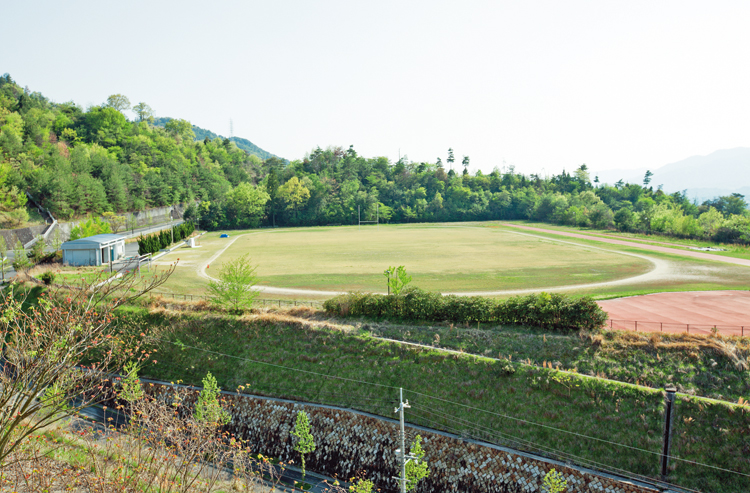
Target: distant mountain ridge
[(722, 172), (244, 144)]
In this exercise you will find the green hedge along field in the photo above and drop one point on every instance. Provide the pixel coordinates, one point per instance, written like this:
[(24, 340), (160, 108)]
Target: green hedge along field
[(553, 311)]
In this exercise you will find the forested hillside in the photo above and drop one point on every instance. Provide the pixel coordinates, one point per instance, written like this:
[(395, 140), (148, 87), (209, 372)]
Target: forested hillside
[(328, 186), (78, 162), (202, 134)]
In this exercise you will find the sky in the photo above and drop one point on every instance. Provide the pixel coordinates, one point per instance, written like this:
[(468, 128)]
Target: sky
[(540, 85)]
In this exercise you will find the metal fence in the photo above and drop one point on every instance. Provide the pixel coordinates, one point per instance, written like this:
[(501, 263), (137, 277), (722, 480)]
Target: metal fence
[(675, 328), (257, 301)]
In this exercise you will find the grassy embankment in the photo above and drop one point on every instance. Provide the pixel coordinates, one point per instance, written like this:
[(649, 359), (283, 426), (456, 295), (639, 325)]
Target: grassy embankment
[(286, 356)]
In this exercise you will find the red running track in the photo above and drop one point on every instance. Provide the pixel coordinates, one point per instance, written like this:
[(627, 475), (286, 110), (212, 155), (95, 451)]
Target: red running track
[(694, 312)]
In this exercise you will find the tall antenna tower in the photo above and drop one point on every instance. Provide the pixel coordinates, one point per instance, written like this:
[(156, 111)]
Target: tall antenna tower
[(231, 128)]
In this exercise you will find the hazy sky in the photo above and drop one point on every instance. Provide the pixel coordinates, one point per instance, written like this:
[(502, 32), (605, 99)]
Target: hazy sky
[(540, 84)]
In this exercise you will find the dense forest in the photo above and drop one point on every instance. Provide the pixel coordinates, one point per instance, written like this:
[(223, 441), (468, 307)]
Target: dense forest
[(202, 134), (333, 186), (78, 162)]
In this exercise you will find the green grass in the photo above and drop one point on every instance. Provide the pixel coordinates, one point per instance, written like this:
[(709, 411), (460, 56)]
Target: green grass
[(444, 389), (709, 367), (456, 257), (437, 257)]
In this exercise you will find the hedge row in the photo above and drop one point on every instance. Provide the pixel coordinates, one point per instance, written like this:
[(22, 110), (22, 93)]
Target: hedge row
[(155, 242), (554, 311)]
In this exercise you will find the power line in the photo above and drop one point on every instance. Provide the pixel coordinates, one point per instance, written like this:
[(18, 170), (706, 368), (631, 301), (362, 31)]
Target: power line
[(556, 453), (578, 434), (241, 358), (455, 403)]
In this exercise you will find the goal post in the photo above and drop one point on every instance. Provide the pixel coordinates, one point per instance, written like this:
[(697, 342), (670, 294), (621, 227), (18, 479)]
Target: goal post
[(377, 217)]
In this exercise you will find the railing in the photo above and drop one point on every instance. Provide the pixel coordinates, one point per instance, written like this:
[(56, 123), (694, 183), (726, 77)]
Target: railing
[(672, 328), (257, 301)]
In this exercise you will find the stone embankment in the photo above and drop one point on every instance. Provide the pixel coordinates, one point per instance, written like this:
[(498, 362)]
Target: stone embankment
[(351, 443)]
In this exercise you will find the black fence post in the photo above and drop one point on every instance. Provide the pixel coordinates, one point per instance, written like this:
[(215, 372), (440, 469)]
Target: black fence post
[(668, 419)]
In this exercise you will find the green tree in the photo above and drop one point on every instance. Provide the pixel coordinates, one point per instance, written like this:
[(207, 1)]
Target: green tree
[(246, 205), (451, 158), (305, 442), (416, 469), (647, 178), (20, 259), (57, 239), (115, 222), (130, 385), (582, 174), (234, 287), (554, 482), (294, 194), (362, 486), (119, 102), (143, 111), (3, 255), (272, 187), (208, 407), (91, 227), (181, 128), (37, 249), (396, 279), (465, 164)]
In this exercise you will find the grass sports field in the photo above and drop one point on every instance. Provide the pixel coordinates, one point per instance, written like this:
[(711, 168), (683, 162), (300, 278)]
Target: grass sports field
[(487, 258), (476, 257)]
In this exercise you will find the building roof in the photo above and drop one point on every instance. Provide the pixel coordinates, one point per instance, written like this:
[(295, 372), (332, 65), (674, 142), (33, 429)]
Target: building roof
[(92, 241)]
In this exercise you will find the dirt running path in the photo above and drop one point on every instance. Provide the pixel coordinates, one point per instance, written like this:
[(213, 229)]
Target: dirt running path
[(653, 248), (201, 270)]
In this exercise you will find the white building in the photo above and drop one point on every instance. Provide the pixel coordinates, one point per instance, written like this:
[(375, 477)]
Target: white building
[(94, 250)]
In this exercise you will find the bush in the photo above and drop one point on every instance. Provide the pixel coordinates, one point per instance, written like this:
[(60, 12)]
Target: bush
[(552, 311), (47, 277), (163, 239)]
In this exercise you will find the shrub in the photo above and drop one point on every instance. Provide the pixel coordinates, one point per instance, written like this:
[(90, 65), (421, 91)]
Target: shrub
[(47, 277), (552, 311)]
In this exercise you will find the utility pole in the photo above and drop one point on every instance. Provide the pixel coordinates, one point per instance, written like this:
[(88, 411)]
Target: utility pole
[(401, 453), (668, 420)]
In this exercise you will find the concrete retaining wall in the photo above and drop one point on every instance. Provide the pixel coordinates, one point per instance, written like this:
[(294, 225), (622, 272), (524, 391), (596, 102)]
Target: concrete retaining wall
[(158, 215)]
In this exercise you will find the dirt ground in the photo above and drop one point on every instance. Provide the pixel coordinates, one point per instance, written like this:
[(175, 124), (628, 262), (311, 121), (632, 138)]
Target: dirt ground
[(693, 311)]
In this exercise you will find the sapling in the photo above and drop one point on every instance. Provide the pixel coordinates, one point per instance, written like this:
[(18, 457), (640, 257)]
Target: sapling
[(305, 441), (208, 407), (554, 482), (416, 469)]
